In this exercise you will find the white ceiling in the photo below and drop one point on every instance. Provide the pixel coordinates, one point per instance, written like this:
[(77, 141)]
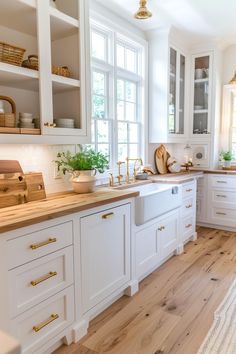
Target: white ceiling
[(201, 18)]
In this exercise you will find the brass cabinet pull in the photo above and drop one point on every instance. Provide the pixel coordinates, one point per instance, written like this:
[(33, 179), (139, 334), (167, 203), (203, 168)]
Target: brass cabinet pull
[(188, 226), (218, 213), (50, 125), (107, 216), (43, 278), (189, 190), (188, 206), (44, 243), (221, 196), (161, 228), (52, 318)]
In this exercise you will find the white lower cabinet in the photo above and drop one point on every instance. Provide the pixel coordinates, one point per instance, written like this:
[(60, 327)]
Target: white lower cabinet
[(105, 254), (156, 242)]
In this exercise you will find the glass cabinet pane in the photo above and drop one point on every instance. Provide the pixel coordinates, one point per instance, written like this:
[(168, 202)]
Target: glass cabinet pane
[(176, 92), (172, 93), (180, 126), (201, 95)]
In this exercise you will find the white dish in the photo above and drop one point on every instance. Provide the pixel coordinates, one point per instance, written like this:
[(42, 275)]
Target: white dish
[(26, 120), (26, 115), (30, 126)]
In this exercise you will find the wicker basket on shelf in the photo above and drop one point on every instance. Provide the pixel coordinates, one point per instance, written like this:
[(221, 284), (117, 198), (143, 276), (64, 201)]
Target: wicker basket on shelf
[(11, 54), (32, 62), (8, 119), (61, 70)]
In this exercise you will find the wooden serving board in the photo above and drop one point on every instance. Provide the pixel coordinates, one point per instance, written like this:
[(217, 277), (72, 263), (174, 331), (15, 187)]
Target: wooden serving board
[(161, 158), (17, 188), (13, 189), (10, 166), (35, 187)]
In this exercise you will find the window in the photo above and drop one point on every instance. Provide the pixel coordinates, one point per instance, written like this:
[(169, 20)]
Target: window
[(117, 94)]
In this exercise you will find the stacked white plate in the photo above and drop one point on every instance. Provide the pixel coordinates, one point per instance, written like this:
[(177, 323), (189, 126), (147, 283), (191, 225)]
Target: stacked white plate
[(65, 123), (26, 120)]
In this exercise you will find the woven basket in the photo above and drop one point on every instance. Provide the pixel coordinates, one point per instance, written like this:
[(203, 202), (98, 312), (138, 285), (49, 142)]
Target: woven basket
[(8, 119), (61, 70), (31, 63), (11, 54)]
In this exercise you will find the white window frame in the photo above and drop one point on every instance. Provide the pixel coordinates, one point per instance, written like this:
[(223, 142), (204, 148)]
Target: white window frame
[(114, 36)]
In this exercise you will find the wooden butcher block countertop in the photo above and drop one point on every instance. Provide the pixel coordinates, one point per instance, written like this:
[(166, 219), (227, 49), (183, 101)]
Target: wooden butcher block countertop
[(57, 205)]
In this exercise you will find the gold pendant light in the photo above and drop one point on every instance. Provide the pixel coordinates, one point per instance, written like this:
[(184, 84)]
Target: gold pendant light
[(233, 81), (143, 13)]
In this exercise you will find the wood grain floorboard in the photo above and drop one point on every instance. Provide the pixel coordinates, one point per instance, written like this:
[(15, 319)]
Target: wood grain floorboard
[(174, 309)]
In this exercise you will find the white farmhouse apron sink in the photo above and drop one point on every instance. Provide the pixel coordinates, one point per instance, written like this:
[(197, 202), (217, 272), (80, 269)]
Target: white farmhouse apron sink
[(154, 200)]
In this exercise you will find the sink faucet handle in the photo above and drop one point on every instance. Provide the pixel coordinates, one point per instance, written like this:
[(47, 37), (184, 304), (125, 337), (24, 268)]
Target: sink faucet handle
[(111, 180)]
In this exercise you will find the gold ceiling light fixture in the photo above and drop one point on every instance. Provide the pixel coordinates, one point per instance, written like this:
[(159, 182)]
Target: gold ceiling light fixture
[(233, 81), (143, 13)]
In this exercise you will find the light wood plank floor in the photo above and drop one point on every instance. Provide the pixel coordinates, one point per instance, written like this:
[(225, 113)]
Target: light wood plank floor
[(174, 308)]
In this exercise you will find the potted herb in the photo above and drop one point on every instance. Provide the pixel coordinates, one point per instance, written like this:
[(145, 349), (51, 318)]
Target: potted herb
[(227, 157), (83, 167)]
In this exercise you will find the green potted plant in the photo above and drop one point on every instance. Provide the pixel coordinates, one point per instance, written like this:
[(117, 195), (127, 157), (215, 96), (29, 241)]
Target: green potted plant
[(83, 167), (227, 157)]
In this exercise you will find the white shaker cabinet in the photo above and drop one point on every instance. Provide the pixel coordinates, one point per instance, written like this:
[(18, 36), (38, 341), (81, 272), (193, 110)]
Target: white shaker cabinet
[(105, 254)]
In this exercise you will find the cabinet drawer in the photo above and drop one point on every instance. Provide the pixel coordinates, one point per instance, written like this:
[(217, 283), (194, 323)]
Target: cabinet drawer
[(38, 325), (40, 243), (188, 227), (188, 206), (188, 190), (224, 198), (221, 213), (223, 182), (34, 282)]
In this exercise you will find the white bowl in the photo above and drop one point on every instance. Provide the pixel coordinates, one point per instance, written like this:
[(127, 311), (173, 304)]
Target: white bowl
[(25, 115), (26, 120)]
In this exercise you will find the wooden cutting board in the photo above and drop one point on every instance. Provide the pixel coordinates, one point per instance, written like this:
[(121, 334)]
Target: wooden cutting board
[(10, 166), (161, 158), (18, 188)]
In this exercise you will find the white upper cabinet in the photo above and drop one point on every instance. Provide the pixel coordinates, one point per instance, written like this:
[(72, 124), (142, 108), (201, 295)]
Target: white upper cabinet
[(58, 93), (167, 90)]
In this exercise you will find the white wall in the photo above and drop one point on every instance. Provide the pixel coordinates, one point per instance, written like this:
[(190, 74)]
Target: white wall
[(36, 158)]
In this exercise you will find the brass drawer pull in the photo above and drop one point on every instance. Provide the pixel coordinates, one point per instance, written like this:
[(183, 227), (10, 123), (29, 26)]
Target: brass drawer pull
[(189, 190), (161, 228), (218, 213), (43, 278), (188, 226), (221, 196), (44, 243), (188, 206), (52, 318), (108, 216)]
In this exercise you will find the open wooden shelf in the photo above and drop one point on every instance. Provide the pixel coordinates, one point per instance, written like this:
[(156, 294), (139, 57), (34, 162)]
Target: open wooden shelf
[(6, 130), (62, 25), (18, 77), (62, 84)]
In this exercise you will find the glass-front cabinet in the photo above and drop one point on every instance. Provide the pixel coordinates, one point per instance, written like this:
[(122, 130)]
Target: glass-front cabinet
[(176, 117), (202, 78)]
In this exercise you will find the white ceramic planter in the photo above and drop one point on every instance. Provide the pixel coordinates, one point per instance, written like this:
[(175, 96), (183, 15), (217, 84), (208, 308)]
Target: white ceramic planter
[(84, 181), (227, 163)]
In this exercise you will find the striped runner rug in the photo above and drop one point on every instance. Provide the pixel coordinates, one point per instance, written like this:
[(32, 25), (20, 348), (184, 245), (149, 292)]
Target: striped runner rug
[(221, 339)]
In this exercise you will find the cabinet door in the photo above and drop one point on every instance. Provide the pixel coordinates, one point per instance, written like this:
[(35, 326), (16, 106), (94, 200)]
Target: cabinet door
[(105, 254), (168, 234), (176, 119), (147, 250), (202, 85)]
